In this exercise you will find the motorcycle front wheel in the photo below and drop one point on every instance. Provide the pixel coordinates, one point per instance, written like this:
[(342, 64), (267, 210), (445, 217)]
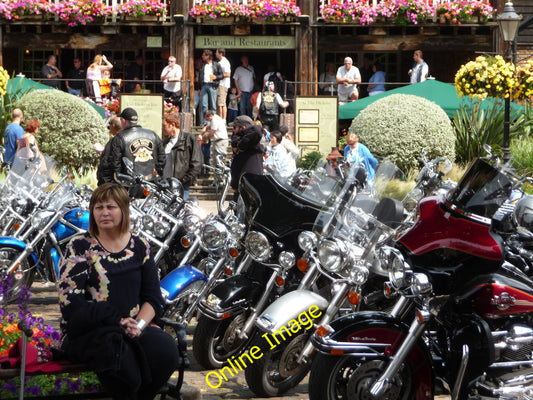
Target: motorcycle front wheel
[(277, 370), (22, 276), (215, 341)]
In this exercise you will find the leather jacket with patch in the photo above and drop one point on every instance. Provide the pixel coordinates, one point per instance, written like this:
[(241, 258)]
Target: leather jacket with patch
[(142, 146)]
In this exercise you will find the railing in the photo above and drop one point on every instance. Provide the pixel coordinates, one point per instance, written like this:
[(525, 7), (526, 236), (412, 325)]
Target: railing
[(376, 2)]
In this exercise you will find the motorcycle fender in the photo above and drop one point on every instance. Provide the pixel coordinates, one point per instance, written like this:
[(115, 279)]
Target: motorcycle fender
[(19, 245), (179, 279), (292, 306), (238, 289), (387, 329)]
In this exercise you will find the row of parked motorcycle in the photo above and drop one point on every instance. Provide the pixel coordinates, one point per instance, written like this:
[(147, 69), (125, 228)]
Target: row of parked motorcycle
[(322, 273)]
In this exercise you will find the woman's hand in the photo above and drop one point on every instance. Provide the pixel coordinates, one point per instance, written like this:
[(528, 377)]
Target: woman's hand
[(130, 327)]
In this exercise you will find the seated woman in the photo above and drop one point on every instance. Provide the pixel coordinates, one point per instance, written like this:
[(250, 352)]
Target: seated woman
[(357, 153), (109, 293)]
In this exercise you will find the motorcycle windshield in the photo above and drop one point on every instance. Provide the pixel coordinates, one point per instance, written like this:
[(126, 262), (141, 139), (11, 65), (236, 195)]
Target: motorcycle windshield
[(361, 211), (29, 177), (481, 190)]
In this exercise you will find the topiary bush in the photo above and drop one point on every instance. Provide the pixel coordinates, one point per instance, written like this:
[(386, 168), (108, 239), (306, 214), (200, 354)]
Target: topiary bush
[(69, 127), (398, 127)]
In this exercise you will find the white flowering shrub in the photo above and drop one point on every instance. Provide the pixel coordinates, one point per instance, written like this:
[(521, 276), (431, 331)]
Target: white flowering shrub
[(69, 127), (398, 127)]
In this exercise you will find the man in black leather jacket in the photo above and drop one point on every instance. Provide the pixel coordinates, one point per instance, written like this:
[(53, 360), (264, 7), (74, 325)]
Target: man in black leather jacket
[(142, 146)]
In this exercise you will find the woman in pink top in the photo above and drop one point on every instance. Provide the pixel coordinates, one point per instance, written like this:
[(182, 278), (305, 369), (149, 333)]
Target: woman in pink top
[(95, 72)]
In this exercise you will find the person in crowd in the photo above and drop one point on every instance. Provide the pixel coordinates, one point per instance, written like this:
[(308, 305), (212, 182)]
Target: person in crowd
[(357, 153), (292, 150), (244, 78), (348, 77), (197, 65), (133, 74), (366, 72), (182, 151), (268, 105), (171, 76), (109, 87), (272, 75), (109, 294), (247, 150), (420, 70), (376, 81), (328, 79), (95, 72), (216, 131), (12, 133), (50, 73), (142, 146), (233, 105), (225, 83), (104, 173), (27, 147), (253, 101), (277, 161), (75, 78), (209, 79)]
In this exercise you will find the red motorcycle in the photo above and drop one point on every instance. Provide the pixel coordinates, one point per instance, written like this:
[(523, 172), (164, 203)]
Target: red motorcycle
[(463, 321)]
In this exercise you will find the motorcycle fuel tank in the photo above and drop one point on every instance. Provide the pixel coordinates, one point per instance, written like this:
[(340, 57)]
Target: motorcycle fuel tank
[(76, 217)]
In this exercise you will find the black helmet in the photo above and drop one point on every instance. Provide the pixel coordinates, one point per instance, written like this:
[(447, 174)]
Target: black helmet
[(524, 213)]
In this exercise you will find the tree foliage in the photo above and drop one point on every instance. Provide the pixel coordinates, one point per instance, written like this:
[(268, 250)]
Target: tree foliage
[(69, 127)]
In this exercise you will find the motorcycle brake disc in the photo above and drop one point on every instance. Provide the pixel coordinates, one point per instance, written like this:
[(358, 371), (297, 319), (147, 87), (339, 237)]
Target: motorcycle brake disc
[(362, 379), (288, 366)]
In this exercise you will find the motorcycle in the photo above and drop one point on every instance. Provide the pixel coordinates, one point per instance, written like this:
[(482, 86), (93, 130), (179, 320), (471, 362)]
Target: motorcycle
[(464, 311), (346, 237), (274, 213), (38, 243)]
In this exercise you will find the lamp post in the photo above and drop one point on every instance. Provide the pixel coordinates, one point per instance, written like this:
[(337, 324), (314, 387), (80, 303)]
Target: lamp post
[(508, 21)]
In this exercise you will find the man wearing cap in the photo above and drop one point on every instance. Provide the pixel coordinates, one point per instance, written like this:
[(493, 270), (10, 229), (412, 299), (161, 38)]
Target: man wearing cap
[(268, 104), (247, 149), (142, 146)]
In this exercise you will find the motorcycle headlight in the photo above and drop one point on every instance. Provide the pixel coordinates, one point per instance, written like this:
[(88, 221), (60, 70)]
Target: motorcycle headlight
[(258, 246), (161, 228), (191, 223), (359, 275), (213, 301), (330, 254), (237, 230), (40, 219), (420, 284), (148, 222), (286, 259), (176, 187), (307, 241), (214, 235), (397, 268)]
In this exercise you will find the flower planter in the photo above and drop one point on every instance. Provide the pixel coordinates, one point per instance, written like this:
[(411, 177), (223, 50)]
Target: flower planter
[(141, 18)]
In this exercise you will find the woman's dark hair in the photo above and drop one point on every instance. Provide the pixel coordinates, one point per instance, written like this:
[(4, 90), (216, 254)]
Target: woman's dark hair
[(31, 126), (277, 135), (105, 192)]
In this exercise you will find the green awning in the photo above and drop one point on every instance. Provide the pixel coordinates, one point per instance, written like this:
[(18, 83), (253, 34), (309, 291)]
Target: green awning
[(20, 84), (440, 93)]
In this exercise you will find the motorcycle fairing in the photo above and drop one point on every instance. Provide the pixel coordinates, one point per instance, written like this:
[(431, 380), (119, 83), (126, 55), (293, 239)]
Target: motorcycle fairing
[(378, 328), (273, 208), (20, 245), (180, 278), (288, 307)]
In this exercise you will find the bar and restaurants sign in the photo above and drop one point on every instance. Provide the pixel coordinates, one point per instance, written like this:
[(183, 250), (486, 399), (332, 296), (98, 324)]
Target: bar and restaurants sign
[(248, 42)]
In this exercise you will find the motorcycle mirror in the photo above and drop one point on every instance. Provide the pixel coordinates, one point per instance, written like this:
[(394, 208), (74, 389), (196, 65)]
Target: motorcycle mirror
[(124, 180)]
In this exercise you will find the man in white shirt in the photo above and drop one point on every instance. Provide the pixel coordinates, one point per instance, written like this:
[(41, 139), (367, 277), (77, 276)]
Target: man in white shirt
[(348, 77), (225, 83), (217, 132), (420, 69), (244, 78), (171, 76)]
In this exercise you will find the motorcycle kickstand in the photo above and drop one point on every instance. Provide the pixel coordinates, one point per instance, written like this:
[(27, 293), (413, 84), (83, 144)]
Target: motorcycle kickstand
[(461, 372)]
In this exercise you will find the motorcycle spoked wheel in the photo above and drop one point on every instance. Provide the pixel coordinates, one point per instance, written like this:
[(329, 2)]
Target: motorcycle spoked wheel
[(215, 341), (175, 311), (23, 275), (277, 370)]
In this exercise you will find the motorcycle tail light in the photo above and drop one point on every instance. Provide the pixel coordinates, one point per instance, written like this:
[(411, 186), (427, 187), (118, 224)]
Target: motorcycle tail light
[(146, 192), (280, 281), (387, 290), (323, 330), (302, 264), (353, 298), (228, 271), (185, 242), (233, 252)]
